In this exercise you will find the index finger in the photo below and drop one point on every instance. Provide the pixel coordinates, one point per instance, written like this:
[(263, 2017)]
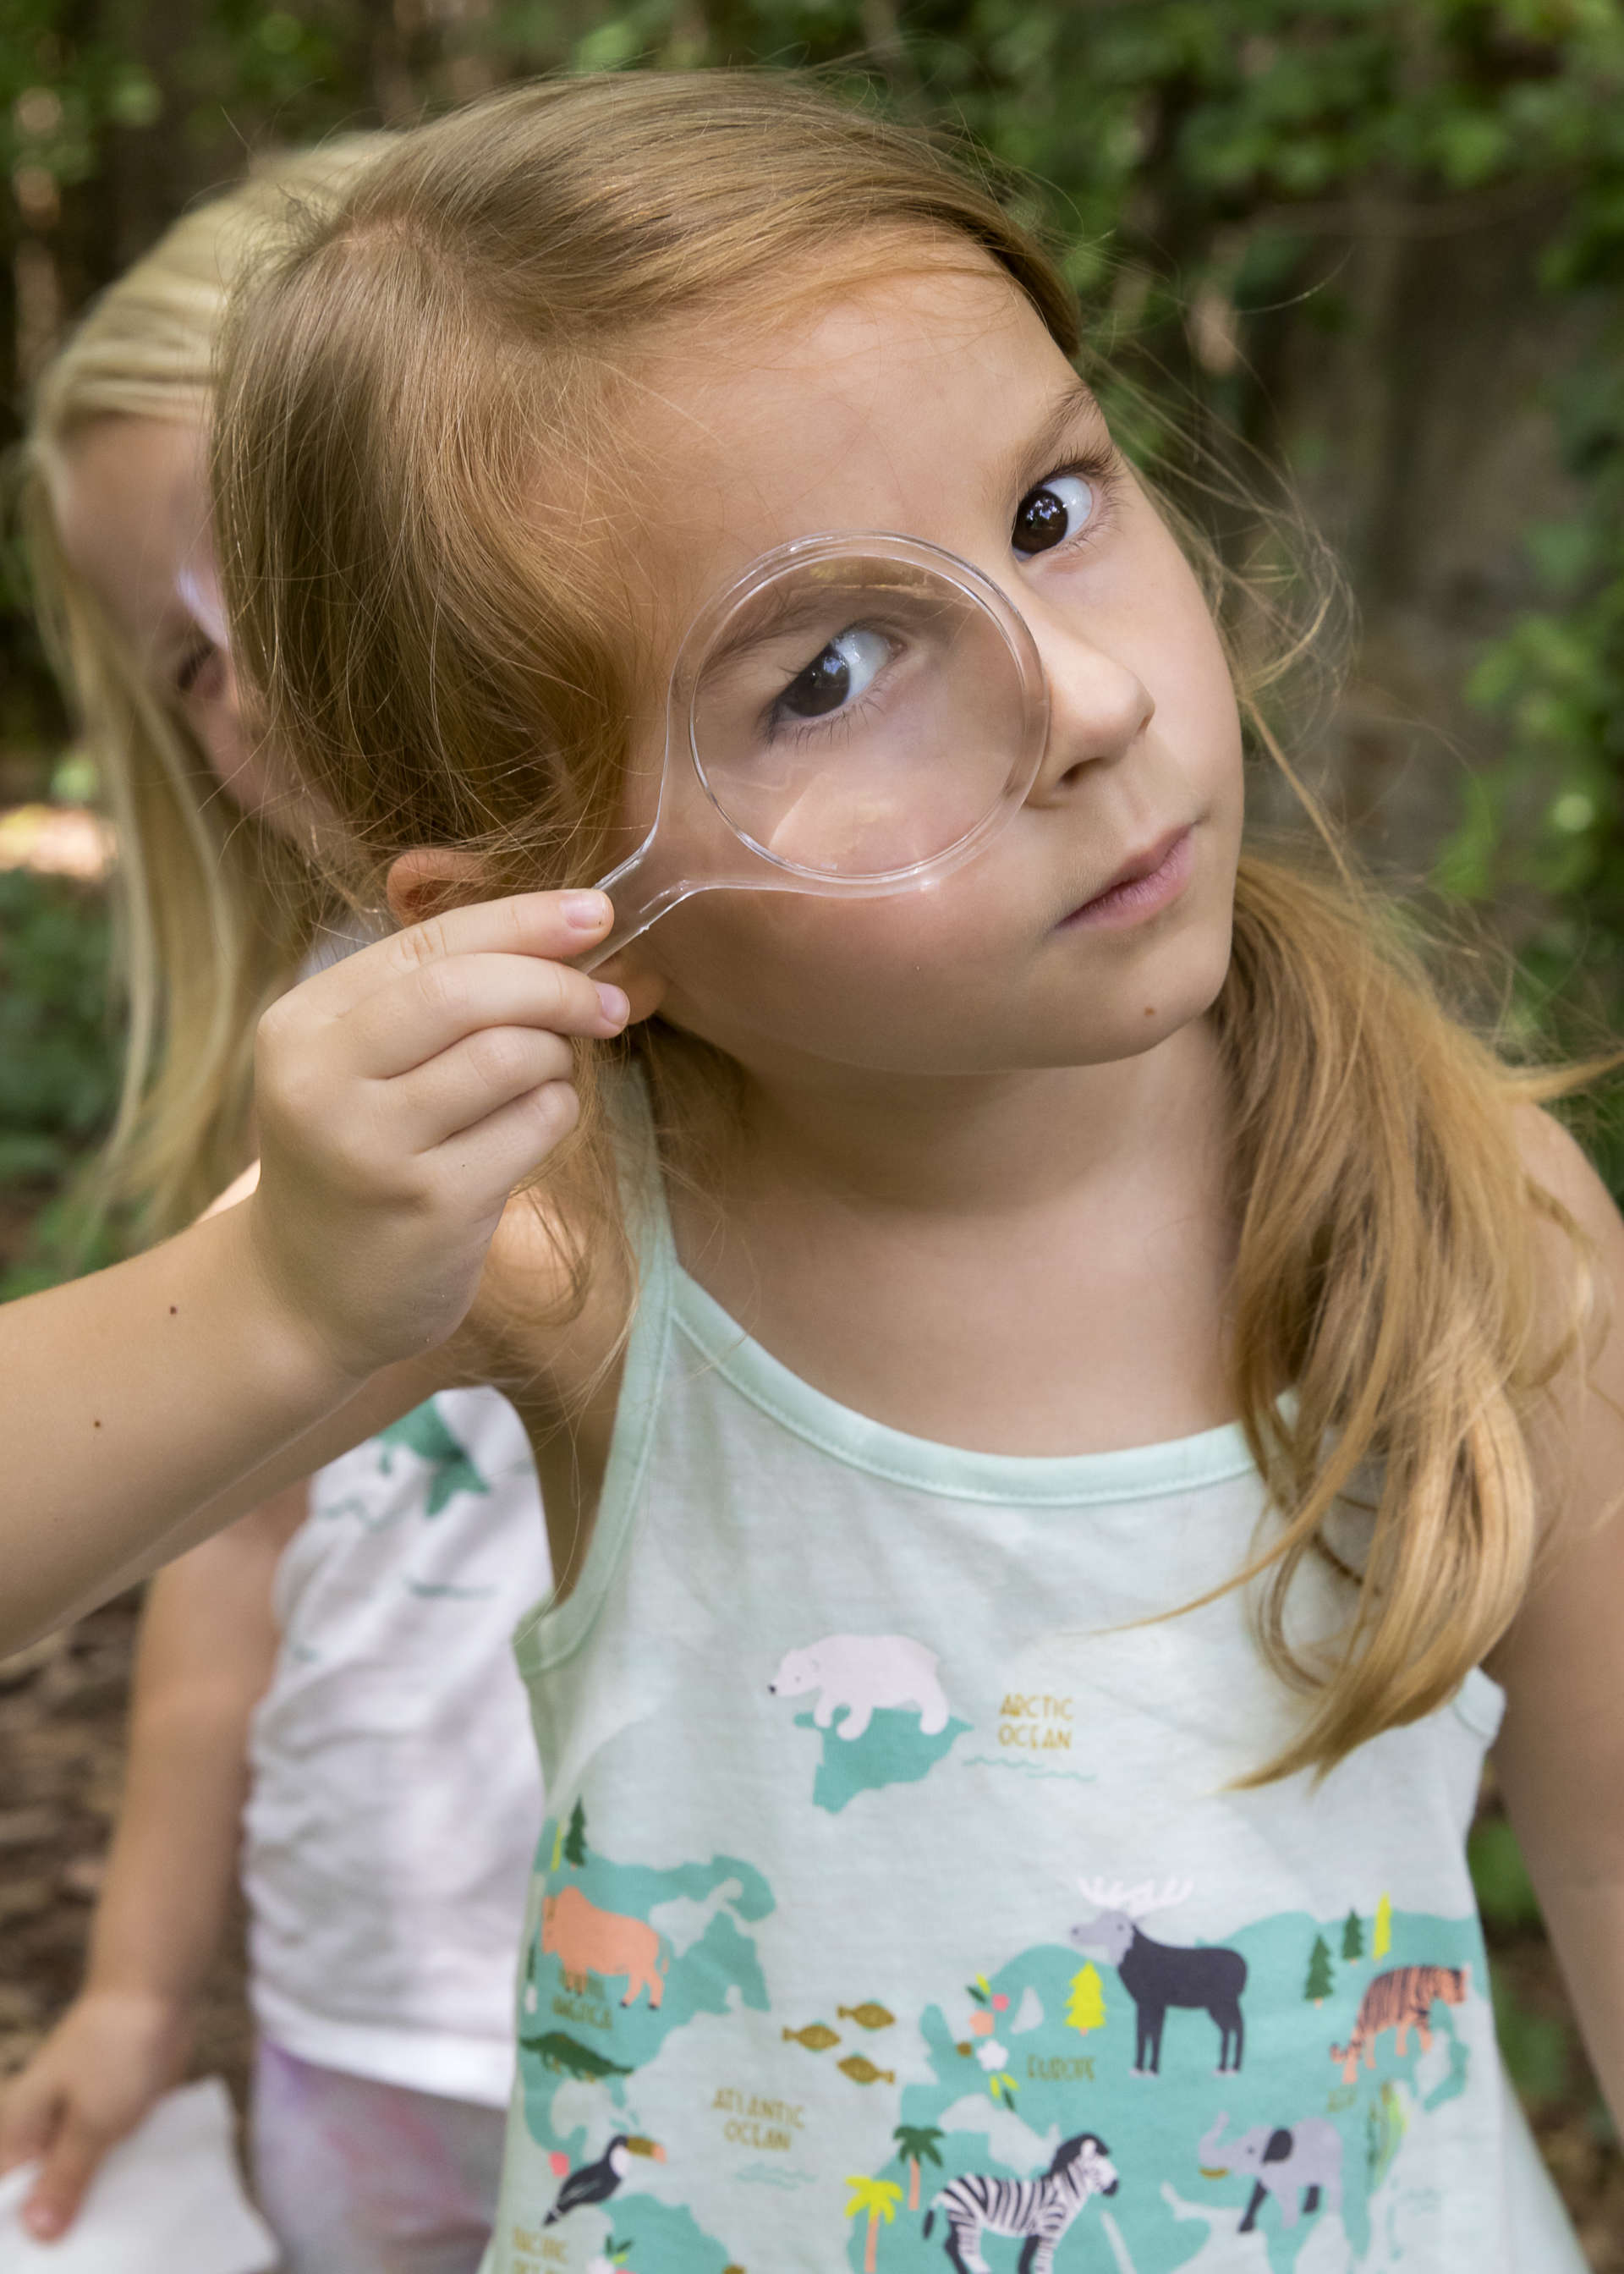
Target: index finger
[(552, 926)]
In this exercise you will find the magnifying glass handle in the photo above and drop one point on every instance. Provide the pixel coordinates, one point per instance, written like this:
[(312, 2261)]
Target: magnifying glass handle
[(641, 888)]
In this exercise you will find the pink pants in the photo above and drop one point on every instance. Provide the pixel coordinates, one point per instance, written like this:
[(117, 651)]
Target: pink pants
[(361, 2178)]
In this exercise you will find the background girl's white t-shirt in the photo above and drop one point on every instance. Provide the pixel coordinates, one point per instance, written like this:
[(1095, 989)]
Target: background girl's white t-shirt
[(395, 1798)]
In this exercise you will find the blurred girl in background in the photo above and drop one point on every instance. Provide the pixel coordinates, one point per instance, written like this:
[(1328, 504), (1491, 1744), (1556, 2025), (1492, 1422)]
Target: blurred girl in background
[(311, 1681)]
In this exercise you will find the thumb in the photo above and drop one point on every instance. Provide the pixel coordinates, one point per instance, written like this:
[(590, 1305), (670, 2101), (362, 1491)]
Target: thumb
[(54, 2201), (29, 2109)]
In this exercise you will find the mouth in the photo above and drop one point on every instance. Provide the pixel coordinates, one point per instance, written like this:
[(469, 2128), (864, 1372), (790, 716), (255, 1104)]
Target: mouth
[(1145, 883)]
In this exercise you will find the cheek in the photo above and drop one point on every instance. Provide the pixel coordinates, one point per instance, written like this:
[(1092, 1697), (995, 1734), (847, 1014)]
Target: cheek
[(899, 981)]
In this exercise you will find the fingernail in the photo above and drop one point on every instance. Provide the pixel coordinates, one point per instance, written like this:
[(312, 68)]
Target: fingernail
[(42, 2219), (586, 911), (617, 1006)]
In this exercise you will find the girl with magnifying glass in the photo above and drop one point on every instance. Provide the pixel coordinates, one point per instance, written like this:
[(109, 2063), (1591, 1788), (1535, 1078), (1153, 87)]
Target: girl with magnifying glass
[(1051, 1358)]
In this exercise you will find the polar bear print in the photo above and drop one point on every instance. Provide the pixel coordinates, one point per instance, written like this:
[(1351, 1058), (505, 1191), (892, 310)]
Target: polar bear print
[(861, 1673)]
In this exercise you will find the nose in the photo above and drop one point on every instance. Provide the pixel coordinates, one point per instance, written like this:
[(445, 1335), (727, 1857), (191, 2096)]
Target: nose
[(1098, 709)]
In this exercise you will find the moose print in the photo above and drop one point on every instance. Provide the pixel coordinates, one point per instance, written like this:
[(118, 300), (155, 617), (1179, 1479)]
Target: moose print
[(1158, 1975)]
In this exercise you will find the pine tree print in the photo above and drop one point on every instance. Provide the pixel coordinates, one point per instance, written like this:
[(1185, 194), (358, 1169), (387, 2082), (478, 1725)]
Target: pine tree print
[(1383, 1941), (1353, 1938), (1085, 2008), (1319, 1982), (574, 1844)]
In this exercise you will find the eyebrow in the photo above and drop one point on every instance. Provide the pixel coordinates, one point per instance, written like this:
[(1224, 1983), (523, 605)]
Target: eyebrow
[(786, 613), (1035, 457)]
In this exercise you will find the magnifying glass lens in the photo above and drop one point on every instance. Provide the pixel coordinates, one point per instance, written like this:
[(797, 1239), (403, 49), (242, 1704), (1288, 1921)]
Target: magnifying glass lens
[(852, 717)]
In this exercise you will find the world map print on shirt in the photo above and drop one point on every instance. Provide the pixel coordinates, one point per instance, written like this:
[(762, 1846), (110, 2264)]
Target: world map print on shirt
[(1100, 2080)]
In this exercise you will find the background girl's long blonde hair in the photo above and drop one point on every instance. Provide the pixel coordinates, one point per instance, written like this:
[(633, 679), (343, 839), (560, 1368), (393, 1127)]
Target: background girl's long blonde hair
[(446, 663), (215, 910)]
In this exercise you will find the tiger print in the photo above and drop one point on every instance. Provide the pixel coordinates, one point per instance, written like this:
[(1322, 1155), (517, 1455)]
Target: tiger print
[(1401, 1999)]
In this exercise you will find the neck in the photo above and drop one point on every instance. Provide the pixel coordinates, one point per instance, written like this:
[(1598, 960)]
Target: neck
[(983, 1144)]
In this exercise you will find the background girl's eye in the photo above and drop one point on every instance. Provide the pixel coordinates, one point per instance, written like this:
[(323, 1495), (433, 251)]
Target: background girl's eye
[(192, 668), (846, 668), (1047, 515)]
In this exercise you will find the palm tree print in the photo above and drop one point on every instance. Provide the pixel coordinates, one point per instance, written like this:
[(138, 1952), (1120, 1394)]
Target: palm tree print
[(916, 2143), (879, 2199)]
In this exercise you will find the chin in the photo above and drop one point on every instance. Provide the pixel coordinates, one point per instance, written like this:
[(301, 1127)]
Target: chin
[(1176, 992)]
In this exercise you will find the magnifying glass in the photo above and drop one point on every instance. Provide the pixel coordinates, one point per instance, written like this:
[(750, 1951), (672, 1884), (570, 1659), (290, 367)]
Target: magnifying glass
[(855, 716)]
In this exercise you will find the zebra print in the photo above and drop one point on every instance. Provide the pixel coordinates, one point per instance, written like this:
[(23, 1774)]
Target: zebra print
[(1039, 2211), (1401, 2000)]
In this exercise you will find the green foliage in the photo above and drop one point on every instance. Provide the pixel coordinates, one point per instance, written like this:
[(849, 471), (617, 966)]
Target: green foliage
[(58, 1071), (1541, 833), (1538, 2047), (58, 1060), (1505, 1893)]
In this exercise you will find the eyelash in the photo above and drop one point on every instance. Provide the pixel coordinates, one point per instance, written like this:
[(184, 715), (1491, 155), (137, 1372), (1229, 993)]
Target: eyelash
[(191, 665), (1101, 470)]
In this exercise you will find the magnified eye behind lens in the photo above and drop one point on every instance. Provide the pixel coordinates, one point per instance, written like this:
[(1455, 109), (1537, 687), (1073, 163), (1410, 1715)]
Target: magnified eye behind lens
[(846, 668), (855, 715)]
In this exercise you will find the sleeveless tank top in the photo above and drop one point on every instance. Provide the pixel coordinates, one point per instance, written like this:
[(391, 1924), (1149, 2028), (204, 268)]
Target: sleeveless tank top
[(896, 1908)]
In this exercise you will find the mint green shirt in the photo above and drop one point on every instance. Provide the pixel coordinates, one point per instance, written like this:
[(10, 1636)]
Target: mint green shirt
[(893, 1909)]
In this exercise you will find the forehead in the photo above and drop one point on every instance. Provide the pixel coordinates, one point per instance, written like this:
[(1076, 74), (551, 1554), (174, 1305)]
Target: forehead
[(900, 401)]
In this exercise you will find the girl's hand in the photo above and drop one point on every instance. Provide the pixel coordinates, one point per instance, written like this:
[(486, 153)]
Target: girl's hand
[(108, 2059), (402, 1096)]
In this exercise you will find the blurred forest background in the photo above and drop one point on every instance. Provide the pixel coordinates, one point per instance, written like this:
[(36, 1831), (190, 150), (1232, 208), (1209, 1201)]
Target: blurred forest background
[(1378, 242)]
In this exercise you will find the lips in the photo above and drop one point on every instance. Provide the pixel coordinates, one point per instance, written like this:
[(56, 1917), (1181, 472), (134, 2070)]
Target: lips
[(1145, 883)]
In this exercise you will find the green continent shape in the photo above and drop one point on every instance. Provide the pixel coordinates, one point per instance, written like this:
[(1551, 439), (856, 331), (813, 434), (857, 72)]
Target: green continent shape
[(892, 1750), (423, 1431), (1153, 2127), (665, 2237), (713, 1974)]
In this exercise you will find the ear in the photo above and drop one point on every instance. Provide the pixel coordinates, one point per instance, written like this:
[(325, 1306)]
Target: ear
[(645, 987), (430, 879)]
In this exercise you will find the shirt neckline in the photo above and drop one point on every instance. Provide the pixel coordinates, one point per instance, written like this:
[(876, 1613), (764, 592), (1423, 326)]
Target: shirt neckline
[(1132, 1472)]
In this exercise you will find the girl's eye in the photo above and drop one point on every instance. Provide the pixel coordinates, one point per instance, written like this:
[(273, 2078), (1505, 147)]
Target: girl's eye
[(846, 668), (190, 675), (1056, 510)]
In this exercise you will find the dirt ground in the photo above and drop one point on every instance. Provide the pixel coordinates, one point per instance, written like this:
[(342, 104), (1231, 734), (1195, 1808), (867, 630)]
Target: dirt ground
[(61, 1708)]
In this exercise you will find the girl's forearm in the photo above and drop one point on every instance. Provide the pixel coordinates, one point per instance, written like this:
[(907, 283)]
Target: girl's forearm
[(209, 1643), (173, 1863), (149, 1404)]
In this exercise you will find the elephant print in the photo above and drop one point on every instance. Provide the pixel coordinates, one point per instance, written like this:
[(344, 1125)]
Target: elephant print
[(1283, 2161)]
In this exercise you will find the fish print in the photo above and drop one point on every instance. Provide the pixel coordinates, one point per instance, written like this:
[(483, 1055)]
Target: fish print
[(817, 2037), (868, 2015), (862, 2071)]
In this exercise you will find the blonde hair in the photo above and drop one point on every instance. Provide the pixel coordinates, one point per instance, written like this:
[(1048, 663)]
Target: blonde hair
[(442, 665), (215, 911)]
